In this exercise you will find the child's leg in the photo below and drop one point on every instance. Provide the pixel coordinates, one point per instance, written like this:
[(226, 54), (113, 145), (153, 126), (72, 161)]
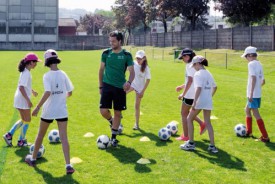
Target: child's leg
[(206, 115), (137, 110), (116, 122), (40, 136), (248, 120), (184, 113), (26, 119), (62, 127), (260, 122), (190, 118), (16, 126)]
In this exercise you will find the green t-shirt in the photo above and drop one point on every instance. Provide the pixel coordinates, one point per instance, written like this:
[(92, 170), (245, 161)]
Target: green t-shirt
[(115, 66)]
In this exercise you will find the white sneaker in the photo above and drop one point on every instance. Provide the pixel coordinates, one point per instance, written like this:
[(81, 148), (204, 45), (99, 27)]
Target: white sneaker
[(187, 146), (213, 149)]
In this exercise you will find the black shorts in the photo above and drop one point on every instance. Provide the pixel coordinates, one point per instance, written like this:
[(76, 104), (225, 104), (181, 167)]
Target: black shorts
[(187, 101), (51, 120), (112, 96)]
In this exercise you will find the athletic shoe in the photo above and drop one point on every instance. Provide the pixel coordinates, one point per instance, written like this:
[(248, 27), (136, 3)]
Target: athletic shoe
[(69, 170), (182, 138), (212, 149), (120, 129), (187, 146), (114, 142), (8, 138), (136, 127), (264, 139), (29, 161), (202, 128), (22, 143)]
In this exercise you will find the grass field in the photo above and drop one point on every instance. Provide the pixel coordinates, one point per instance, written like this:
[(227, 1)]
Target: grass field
[(240, 160)]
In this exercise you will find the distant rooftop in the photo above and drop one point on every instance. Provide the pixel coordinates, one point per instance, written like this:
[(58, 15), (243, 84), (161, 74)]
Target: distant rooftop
[(66, 22)]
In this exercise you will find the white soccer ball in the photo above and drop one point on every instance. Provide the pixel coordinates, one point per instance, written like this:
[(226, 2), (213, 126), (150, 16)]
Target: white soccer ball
[(240, 130), (173, 127), (53, 136), (164, 134), (40, 152), (103, 142), (120, 129)]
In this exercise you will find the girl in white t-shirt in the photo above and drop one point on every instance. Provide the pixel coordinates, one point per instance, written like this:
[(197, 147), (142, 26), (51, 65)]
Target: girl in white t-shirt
[(57, 87), (205, 88), (22, 99), (188, 94), (140, 83)]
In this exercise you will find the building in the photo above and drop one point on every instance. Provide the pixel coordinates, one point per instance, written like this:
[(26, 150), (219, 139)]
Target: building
[(67, 27), (28, 24)]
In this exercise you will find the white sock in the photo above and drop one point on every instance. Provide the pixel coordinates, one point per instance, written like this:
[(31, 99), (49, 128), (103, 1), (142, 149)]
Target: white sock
[(68, 165)]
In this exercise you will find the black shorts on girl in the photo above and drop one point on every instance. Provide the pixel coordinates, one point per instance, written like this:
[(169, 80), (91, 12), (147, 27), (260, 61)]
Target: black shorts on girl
[(51, 120), (113, 95), (187, 101)]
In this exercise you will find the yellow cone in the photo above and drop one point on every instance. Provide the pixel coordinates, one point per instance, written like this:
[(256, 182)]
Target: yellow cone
[(143, 161), (145, 139), (89, 134), (213, 117), (76, 160)]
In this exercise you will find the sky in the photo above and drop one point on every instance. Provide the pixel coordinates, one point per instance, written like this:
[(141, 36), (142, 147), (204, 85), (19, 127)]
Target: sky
[(91, 5)]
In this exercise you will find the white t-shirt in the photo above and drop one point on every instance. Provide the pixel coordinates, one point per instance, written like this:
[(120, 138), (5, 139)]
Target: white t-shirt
[(205, 80), (59, 84), (25, 80), (189, 72), (255, 69), (140, 77)]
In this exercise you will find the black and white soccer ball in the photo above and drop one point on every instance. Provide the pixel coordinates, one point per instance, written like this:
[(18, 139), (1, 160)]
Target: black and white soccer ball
[(53, 136), (164, 134), (40, 152), (103, 142), (173, 127), (240, 130)]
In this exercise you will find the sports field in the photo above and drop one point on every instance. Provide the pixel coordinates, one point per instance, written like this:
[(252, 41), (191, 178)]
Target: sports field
[(240, 160)]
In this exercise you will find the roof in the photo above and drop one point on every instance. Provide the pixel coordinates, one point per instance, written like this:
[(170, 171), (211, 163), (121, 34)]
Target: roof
[(66, 22)]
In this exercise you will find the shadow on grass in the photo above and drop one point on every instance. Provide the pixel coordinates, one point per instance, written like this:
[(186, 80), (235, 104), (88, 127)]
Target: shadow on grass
[(222, 158), (49, 178), (127, 155), (153, 137), (270, 145)]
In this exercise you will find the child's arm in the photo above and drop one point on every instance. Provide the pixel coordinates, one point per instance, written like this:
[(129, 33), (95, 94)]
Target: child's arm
[(197, 94), (214, 90), (34, 93), (178, 88), (145, 87), (41, 102), (23, 92), (263, 82), (69, 94), (253, 83), (187, 86)]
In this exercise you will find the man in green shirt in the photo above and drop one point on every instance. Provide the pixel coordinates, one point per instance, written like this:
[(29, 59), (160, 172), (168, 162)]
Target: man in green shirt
[(112, 82)]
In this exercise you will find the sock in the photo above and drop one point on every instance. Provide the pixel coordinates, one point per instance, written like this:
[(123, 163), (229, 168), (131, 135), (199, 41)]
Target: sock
[(249, 125), (24, 130), (114, 133), (261, 126), (67, 165), (16, 125), (32, 159)]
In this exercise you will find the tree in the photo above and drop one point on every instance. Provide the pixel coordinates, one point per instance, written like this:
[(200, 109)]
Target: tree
[(245, 12), (92, 23)]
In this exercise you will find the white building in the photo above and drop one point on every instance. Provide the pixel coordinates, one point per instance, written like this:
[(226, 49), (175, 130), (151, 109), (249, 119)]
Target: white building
[(28, 24)]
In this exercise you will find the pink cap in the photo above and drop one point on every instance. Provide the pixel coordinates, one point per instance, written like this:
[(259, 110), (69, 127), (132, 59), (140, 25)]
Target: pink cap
[(31, 57)]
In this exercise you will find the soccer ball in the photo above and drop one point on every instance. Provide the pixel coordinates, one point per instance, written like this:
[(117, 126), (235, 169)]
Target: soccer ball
[(172, 126), (103, 142), (240, 130), (120, 129), (164, 134), (53, 136), (40, 152)]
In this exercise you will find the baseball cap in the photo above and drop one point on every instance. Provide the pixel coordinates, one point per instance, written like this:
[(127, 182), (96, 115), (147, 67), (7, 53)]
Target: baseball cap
[(185, 51), (50, 53), (31, 57), (140, 54), (249, 50), (197, 59)]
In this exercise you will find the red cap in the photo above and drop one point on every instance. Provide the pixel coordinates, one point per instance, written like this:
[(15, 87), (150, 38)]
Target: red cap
[(31, 57)]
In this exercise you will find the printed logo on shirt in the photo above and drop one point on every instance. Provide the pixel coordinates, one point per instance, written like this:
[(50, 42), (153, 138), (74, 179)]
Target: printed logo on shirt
[(56, 86), (120, 57), (207, 87)]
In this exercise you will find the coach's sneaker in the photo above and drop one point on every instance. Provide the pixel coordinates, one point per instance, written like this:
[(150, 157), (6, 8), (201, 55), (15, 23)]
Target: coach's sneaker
[(28, 160), (182, 138), (264, 139), (8, 138), (212, 149), (69, 169), (114, 142), (202, 128), (188, 146), (22, 143)]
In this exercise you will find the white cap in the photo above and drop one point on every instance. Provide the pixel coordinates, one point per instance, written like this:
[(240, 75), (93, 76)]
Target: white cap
[(50, 54), (140, 54), (197, 59), (249, 50)]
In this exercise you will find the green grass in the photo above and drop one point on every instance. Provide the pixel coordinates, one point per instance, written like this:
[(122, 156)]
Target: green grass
[(239, 160)]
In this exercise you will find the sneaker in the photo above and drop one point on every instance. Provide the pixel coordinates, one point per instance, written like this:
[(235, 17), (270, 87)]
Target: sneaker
[(8, 138), (29, 161), (114, 142), (264, 139), (212, 149), (22, 143), (187, 146), (136, 127), (69, 170), (202, 128), (182, 138)]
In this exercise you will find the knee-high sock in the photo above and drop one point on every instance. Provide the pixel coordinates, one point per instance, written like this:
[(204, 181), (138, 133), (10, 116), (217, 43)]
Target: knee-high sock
[(261, 126), (24, 130), (249, 125), (15, 126)]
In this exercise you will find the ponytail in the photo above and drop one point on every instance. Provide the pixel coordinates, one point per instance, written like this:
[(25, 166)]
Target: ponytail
[(204, 62), (21, 66)]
